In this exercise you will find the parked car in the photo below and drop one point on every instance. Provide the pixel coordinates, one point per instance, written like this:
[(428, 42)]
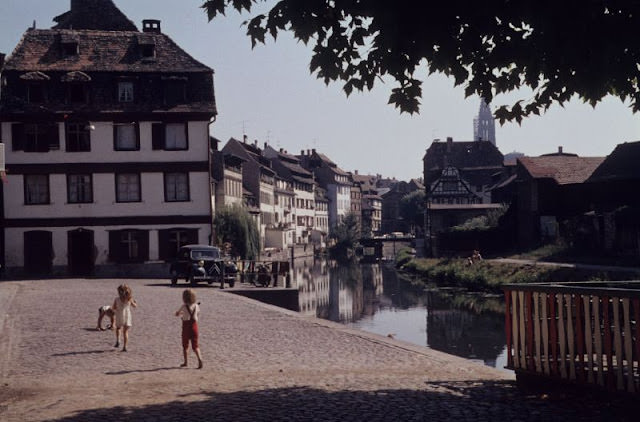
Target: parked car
[(197, 263)]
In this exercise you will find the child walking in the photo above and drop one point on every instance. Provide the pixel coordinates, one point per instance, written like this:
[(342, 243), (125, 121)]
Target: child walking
[(122, 307), (189, 311)]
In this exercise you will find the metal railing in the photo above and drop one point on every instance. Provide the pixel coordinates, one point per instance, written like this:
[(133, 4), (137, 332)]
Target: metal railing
[(587, 333)]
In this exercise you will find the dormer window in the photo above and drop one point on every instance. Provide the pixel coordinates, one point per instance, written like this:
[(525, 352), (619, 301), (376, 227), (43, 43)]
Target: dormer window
[(148, 51), (147, 45), (69, 44), (70, 49), (77, 87), (35, 86)]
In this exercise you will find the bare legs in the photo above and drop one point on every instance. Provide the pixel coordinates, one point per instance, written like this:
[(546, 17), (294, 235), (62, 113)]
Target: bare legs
[(125, 337), (185, 354)]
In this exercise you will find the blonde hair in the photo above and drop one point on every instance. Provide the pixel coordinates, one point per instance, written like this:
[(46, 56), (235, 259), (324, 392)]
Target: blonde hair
[(125, 293), (189, 296)]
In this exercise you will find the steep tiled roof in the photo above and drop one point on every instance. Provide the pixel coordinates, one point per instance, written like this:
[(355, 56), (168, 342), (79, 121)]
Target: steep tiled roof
[(563, 169), (99, 51), (462, 154), (94, 14), (623, 163)]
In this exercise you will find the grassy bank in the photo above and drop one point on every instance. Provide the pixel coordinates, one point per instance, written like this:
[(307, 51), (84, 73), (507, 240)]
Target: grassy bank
[(490, 276)]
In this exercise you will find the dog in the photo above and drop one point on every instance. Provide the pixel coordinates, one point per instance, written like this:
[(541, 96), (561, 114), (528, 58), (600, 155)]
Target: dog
[(106, 311)]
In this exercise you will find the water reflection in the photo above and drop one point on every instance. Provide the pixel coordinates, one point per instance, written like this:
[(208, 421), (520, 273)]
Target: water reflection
[(374, 298)]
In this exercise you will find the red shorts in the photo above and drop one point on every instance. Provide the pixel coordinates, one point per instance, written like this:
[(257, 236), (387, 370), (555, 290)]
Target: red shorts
[(189, 333)]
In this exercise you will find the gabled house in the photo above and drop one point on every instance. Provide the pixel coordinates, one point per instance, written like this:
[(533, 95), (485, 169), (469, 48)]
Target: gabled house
[(550, 189), (615, 202), (107, 146), (334, 180), (258, 179), (392, 220), (476, 162), (288, 167)]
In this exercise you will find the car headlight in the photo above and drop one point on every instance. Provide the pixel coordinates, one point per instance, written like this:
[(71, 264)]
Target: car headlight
[(201, 263)]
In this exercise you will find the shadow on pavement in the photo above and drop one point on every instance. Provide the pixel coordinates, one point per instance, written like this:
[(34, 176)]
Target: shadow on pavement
[(458, 401), (133, 371), (83, 352)]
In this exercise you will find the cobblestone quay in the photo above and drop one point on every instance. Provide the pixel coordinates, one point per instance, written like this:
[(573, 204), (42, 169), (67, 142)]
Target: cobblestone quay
[(261, 363)]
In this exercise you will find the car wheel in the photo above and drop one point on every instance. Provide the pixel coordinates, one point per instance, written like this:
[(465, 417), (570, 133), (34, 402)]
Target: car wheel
[(174, 281), (192, 280), (232, 283)]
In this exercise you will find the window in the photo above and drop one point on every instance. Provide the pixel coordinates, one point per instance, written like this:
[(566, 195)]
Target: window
[(77, 93), (176, 187), (36, 189), (175, 91), (129, 246), (79, 189), (170, 240), (126, 136), (70, 49), (148, 50), (78, 137), (128, 187), (125, 92), (170, 136), (35, 93), (35, 137)]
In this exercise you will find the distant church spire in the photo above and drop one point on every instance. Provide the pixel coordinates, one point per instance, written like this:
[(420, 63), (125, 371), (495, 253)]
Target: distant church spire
[(484, 125)]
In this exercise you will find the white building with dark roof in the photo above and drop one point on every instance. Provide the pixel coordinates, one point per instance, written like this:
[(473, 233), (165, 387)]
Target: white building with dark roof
[(107, 146)]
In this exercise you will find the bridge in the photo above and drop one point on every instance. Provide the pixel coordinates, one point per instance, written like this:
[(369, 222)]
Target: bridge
[(384, 247)]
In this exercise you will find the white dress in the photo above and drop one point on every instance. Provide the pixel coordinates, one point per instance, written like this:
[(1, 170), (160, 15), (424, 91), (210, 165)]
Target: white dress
[(123, 313)]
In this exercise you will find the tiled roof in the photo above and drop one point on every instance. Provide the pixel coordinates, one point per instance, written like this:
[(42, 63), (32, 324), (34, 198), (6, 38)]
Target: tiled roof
[(462, 154), (622, 163), (99, 51), (563, 169), (94, 14)]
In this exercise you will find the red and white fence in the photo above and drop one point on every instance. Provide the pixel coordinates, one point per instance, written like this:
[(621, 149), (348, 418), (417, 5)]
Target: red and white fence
[(587, 333)]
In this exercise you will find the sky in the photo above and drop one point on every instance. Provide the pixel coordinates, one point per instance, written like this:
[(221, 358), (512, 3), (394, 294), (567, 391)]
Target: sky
[(269, 95)]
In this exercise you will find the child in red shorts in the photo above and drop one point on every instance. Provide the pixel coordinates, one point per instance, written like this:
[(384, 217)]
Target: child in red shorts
[(189, 311)]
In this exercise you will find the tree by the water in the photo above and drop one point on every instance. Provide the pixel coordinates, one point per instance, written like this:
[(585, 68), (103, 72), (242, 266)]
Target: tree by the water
[(237, 231), (557, 48)]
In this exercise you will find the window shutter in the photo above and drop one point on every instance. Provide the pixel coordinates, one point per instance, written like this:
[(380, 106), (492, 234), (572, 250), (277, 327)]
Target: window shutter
[(186, 135), (143, 245), (157, 136), (17, 136), (192, 235), (53, 135), (115, 137), (115, 251), (163, 245), (138, 135)]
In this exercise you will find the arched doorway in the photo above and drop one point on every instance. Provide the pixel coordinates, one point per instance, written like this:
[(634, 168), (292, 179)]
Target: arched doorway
[(80, 251)]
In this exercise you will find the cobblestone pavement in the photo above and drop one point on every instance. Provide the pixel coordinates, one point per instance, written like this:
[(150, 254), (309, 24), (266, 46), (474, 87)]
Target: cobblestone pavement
[(261, 364)]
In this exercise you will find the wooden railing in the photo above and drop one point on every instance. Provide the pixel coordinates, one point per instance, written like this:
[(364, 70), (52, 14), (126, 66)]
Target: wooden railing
[(587, 333)]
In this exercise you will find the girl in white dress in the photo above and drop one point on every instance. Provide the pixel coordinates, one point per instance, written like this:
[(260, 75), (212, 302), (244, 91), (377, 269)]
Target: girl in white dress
[(122, 306)]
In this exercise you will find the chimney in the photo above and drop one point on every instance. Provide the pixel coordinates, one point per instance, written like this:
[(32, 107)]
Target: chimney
[(151, 25), (313, 150), (281, 150), (356, 172), (302, 152), (308, 152), (265, 145), (560, 149), (449, 143), (245, 138)]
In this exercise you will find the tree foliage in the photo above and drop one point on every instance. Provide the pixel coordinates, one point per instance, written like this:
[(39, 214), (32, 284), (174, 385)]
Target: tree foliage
[(235, 226), (412, 208), (346, 234), (558, 49)]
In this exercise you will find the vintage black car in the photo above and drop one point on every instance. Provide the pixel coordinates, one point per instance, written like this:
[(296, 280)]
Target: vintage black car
[(197, 263)]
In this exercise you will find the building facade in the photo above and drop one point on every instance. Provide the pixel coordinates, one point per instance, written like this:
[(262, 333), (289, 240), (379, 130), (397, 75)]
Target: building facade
[(107, 154)]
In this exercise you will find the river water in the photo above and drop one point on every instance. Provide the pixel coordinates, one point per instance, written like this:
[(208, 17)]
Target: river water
[(378, 299)]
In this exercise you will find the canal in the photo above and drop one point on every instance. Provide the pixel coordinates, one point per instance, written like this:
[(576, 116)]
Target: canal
[(378, 299)]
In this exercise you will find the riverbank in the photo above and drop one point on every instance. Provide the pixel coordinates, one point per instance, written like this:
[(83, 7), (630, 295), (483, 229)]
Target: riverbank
[(490, 275)]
